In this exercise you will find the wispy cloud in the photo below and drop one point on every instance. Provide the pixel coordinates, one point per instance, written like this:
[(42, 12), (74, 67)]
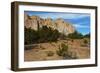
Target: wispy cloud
[(55, 15), (60, 15), (80, 26), (85, 24)]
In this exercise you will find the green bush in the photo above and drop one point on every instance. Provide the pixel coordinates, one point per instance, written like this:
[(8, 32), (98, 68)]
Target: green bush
[(62, 50), (87, 35), (62, 36), (65, 53), (85, 41), (75, 35), (50, 53), (47, 34), (44, 34), (31, 36), (72, 40)]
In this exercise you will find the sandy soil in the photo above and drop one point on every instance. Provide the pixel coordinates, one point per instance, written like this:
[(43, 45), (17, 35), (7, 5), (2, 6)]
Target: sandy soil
[(40, 52)]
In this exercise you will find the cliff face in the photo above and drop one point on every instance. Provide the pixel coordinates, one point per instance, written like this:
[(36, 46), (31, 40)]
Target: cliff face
[(35, 22)]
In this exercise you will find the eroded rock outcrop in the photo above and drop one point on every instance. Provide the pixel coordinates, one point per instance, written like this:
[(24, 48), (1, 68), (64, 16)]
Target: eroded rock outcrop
[(35, 22)]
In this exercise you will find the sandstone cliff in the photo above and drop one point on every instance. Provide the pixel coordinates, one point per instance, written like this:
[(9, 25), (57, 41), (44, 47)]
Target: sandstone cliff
[(35, 22)]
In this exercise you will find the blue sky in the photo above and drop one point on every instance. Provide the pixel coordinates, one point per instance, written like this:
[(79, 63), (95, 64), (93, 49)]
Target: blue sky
[(81, 21)]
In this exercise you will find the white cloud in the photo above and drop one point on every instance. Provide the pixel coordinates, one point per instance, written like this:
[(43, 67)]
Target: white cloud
[(80, 26), (62, 15)]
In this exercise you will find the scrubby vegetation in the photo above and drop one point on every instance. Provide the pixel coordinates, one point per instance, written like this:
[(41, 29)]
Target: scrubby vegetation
[(50, 53), (47, 34), (75, 35), (85, 41), (31, 36), (63, 49), (87, 35), (65, 53), (44, 34)]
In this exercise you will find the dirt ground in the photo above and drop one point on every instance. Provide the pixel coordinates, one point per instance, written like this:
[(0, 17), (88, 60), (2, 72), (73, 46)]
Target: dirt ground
[(40, 52)]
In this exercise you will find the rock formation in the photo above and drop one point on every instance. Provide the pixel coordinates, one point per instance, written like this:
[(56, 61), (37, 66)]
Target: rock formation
[(35, 22)]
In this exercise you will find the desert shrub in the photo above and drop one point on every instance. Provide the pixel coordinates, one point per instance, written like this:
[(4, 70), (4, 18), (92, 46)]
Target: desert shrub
[(44, 34), (65, 53), (87, 35), (63, 49), (75, 35), (62, 36), (50, 53), (72, 40), (31, 36), (41, 47), (47, 34), (85, 41)]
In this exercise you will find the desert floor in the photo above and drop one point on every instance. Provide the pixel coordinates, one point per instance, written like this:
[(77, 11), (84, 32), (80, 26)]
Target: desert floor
[(40, 52)]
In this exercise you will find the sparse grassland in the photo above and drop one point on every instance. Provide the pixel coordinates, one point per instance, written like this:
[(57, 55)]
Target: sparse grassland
[(52, 51)]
